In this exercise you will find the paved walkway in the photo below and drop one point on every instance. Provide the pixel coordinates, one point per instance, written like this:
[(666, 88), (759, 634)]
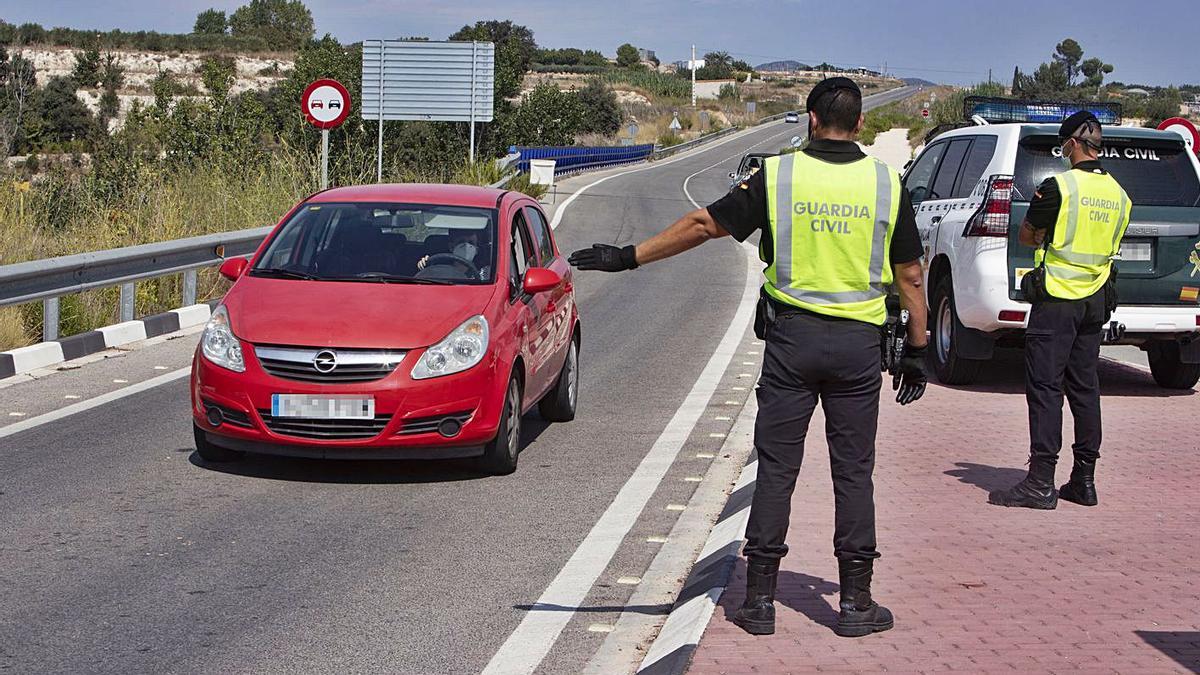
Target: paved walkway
[(978, 588)]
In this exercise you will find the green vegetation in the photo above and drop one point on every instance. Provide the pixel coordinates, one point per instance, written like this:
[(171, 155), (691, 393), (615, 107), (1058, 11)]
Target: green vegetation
[(281, 24), (887, 117), (570, 57), (627, 56), (651, 82)]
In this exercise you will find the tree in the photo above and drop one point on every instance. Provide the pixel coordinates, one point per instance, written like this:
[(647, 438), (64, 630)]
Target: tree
[(1016, 81), (546, 116), (515, 49), (1068, 54), (86, 72), (1094, 71), (1164, 104), (66, 118), (282, 24), (18, 88), (217, 73), (600, 113), (627, 56), (742, 66), (211, 22)]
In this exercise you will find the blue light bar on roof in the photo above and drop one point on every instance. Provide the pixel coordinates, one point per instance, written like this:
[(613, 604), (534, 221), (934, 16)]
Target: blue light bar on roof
[(1000, 110)]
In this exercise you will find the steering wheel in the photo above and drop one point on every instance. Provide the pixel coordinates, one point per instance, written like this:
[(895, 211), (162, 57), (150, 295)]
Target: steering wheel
[(451, 259)]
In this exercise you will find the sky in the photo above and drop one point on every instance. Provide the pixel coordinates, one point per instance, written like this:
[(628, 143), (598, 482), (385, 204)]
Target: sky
[(948, 41)]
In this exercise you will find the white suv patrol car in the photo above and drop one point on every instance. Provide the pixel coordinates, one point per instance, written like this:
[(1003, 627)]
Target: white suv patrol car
[(971, 187)]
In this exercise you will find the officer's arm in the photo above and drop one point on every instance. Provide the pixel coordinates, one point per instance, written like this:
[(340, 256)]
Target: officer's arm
[(1029, 235), (688, 232), (910, 278)]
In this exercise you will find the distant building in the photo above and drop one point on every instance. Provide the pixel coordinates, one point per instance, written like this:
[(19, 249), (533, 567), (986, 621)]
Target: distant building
[(1193, 107), (646, 55), (690, 65)]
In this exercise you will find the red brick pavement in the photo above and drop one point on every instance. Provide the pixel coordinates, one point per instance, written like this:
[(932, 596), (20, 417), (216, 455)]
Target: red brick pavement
[(979, 588)]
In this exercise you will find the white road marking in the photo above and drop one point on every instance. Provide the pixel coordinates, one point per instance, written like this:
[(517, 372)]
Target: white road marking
[(723, 418), (120, 381), (704, 455), (600, 628), (693, 479), (16, 414), (676, 507), (93, 402), (629, 581), (72, 397)]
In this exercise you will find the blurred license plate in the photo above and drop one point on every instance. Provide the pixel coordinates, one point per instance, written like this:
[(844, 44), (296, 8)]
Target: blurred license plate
[(1137, 251), (322, 407)]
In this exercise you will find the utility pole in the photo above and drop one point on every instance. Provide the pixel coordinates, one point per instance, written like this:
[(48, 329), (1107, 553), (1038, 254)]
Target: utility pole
[(989, 77), (692, 64)]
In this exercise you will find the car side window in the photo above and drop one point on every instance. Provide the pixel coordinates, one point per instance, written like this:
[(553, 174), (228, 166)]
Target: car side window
[(920, 176), (943, 185), (524, 254), (978, 159), (541, 234)]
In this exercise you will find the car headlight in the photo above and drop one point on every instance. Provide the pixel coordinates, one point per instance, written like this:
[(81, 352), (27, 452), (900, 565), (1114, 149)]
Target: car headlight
[(463, 348), (219, 344)]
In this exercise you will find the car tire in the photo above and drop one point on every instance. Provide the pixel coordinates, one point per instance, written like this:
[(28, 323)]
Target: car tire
[(558, 405), (1169, 371), (213, 453), (950, 366), (500, 455)]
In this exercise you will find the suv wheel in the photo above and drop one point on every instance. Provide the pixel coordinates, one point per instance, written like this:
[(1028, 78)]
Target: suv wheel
[(1167, 368), (951, 368)]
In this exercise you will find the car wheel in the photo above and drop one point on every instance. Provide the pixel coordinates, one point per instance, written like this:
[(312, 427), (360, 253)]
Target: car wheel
[(500, 455), (213, 453), (558, 405), (1169, 371), (951, 368)]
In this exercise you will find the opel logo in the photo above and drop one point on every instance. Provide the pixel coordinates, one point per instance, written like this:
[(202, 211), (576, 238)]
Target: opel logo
[(325, 361)]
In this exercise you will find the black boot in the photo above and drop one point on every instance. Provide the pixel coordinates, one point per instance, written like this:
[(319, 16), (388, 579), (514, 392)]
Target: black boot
[(1081, 489), (1035, 491), (860, 614), (757, 614)]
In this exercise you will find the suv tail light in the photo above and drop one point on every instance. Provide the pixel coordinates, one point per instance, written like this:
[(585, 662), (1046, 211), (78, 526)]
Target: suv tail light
[(991, 220)]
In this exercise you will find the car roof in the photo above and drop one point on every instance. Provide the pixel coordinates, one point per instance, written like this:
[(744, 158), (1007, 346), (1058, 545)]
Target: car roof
[(1052, 130), (414, 193)]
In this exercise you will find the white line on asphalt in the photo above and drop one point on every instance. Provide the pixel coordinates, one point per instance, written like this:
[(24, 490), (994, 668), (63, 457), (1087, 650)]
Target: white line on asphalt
[(93, 402), (525, 648)]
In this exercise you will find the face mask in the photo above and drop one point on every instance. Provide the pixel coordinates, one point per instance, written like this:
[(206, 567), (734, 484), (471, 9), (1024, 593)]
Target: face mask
[(466, 250)]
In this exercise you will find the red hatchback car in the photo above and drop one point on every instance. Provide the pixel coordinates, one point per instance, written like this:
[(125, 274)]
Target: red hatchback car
[(391, 321)]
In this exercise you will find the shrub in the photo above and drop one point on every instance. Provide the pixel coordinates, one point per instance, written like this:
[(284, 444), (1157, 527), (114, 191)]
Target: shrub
[(600, 112)]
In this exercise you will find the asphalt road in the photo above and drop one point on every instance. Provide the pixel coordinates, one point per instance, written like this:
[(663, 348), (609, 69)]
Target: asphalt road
[(122, 551)]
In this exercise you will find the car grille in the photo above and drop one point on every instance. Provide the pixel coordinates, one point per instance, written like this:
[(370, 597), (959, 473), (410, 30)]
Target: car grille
[(429, 425), (329, 430), (352, 365), (230, 416)]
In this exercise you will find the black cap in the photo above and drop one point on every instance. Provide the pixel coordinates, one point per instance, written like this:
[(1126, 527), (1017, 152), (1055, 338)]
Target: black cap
[(831, 84), (1072, 123)]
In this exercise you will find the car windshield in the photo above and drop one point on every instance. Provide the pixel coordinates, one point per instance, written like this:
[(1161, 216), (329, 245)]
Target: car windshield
[(1154, 172), (384, 243)]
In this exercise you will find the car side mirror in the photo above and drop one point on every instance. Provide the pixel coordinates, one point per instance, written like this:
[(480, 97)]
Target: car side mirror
[(539, 280), (232, 268)]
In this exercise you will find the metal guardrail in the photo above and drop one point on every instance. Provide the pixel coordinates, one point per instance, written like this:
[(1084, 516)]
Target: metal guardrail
[(49, 279)]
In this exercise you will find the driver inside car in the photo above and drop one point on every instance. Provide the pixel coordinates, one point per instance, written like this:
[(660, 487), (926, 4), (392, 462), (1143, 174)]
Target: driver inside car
[(464, 245)]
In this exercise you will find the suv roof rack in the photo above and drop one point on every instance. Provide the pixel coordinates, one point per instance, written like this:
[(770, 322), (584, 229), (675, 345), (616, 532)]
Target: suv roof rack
[(1001, 110)]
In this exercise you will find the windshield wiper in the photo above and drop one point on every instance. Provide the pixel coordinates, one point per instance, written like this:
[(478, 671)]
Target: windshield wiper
[(281, 273), (389, 279)]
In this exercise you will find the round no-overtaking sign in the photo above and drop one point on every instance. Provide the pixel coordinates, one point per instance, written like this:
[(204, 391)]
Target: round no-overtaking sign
[(326, 103)]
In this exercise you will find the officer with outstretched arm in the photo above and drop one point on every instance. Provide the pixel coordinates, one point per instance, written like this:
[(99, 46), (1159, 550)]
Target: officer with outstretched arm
[(836, 229), (1076, 219)]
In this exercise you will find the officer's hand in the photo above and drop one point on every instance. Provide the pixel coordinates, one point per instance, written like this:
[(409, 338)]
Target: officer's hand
[(909, 382), (605, 258)]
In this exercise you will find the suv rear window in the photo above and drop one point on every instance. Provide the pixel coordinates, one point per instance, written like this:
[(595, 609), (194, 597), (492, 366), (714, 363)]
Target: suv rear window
[(1154, 172)]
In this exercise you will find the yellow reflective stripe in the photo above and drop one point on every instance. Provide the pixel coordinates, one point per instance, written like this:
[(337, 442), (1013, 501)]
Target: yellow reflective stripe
[(783, 219)]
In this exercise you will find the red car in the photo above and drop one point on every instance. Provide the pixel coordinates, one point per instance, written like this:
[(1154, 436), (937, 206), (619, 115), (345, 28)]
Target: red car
[(391, 321)]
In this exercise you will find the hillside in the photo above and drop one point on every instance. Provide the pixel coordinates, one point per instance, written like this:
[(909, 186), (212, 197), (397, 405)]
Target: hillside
[(782, 66), (141, 68)]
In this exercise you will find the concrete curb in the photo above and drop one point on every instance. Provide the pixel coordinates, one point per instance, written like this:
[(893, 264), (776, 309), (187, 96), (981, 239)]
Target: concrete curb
[(671, 652), (49, 354)]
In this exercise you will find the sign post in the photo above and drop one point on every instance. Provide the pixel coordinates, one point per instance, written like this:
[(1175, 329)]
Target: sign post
[(326, 104)]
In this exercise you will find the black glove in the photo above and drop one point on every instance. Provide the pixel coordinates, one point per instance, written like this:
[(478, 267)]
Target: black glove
[(910, 381), (605, 258)]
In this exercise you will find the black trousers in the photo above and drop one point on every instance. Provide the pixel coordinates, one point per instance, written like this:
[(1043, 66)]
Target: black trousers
[(1062, 349), (837, 362)]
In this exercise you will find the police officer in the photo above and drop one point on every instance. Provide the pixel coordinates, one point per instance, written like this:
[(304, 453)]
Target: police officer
[(1077, 218), (836, 230)]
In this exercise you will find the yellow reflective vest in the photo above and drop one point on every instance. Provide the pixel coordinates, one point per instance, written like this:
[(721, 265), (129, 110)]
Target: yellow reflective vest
[(1092, 219), (831, 229)]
